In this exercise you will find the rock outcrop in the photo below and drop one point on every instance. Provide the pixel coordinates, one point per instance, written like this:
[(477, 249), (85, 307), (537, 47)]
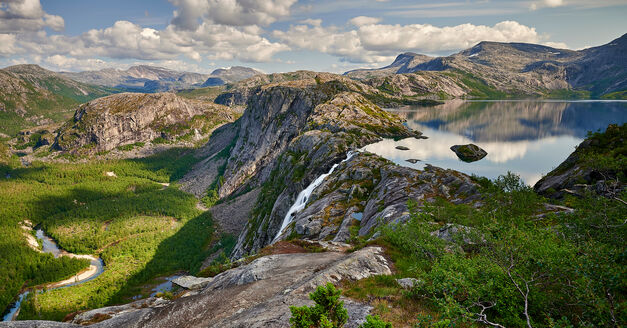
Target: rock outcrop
[(106, 123), (257, 294), (469, 153), (597, 165), (368, 191)]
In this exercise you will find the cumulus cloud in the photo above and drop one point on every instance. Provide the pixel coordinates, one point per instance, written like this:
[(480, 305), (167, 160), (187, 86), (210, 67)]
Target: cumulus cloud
[(235, 30), (26, 15), (364, 20), (373, 42), (126, 40), (8, 44), (64, 63), (215, 29), (190, 13)]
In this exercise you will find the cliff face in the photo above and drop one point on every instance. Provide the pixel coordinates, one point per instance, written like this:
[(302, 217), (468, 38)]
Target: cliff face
[(106, 123)]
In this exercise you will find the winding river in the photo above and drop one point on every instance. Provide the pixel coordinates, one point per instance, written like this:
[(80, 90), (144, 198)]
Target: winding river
[(95, 269)]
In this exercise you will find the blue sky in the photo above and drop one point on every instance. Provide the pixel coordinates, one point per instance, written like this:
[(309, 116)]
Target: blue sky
[(285, 35)]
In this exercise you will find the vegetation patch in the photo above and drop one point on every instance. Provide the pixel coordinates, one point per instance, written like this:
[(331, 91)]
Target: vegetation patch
[(138, 228)]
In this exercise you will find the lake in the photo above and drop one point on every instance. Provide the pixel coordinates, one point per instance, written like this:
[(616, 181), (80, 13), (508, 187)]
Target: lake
[(527, 137)]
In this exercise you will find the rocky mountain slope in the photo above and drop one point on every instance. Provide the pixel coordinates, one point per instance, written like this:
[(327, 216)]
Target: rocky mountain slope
[(31, 95), (128, 118), (404, 63), (238, 94), (233, 74), (501, 70)]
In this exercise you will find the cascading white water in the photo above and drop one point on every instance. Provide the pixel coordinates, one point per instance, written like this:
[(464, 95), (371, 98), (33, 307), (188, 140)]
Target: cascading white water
[(303, 196)]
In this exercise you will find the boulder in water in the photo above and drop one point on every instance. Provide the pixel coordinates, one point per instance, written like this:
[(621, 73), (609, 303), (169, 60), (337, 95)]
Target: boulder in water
[(469, 153), (402, 148)]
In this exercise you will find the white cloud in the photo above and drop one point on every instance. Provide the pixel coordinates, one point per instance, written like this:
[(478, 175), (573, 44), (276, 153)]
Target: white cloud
[(558, 45), (126, 40), (379, 42), (364, 20), (8, 44), (547, 3), (26, 15), (64, 63), (190, 13)]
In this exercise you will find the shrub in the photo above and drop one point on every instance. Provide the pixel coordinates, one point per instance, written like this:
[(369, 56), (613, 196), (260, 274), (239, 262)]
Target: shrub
[(329, 311), (375, 322)]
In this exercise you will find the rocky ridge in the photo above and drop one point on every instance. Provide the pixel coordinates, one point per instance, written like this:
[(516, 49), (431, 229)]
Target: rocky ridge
[(141, 78), (290, 133), (368, 191), (128, 118), (240, 93), (145, 78)]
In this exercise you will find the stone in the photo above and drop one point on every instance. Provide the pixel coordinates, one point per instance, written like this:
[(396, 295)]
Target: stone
[(469, 152), (412, 160), (401, 148), (409, 283), (191, 282), (457, 233)]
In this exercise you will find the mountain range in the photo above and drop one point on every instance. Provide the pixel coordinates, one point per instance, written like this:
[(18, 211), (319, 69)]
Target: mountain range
[(517, 69), (144, 78)]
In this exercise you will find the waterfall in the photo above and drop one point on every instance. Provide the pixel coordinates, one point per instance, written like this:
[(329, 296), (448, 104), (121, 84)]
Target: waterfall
[(303, 197)]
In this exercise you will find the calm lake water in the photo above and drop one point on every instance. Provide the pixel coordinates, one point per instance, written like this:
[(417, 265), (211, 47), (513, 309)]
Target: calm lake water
[(529, 138)]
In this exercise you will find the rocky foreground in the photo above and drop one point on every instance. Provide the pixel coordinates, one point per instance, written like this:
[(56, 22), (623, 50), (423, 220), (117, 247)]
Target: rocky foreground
[(257, 294)]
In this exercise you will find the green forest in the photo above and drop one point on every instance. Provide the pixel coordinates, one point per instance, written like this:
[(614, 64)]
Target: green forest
[(138, 225)]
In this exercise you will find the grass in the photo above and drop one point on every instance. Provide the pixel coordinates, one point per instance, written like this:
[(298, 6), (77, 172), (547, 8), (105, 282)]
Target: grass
[(617, 95), (208, 93)]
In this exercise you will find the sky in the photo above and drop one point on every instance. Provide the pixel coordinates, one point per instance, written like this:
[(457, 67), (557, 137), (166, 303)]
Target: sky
[(286, 35)]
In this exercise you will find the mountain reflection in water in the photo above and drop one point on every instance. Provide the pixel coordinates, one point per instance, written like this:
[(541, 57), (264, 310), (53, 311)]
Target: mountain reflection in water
[(529, 138)]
